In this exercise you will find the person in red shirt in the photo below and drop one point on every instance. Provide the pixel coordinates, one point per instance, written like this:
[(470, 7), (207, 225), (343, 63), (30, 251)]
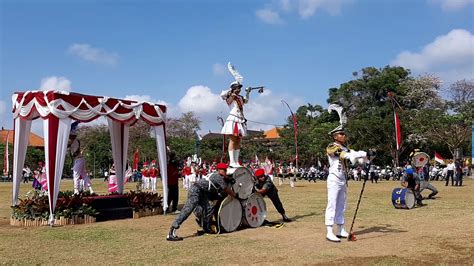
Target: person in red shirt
[(146, 176), (153, 171), (173, 188)]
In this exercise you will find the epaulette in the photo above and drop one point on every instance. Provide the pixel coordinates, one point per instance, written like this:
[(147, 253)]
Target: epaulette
[(333, 149)]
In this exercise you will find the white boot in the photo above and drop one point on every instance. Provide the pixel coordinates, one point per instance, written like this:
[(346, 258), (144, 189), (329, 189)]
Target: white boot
[(236, 158), (341, 232), (233, 157), (330, 235)]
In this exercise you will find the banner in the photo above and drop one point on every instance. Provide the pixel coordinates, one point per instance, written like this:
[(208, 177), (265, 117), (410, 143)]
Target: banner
[(398, 133), (135, 161), (6, 165)]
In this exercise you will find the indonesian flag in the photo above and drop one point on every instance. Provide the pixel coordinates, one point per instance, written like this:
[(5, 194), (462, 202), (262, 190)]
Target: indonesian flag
[(6, 167), (135, 161), (398, 133), (438, 158)]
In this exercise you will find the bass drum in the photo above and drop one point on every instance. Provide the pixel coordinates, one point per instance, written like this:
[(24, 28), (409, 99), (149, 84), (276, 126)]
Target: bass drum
[(420, 159), (244, 182), (403, 198), (229, 214), (255, 210)]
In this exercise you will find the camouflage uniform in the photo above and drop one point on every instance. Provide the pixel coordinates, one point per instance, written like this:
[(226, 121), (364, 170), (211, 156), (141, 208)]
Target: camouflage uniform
[(272, 193), (199, 195)]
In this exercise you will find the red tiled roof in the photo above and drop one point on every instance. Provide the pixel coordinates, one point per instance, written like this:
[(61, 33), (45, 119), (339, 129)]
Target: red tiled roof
[(272, 133), (34, 140)]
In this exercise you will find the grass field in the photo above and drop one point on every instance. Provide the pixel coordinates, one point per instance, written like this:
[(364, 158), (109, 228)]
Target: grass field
[(441, 232)]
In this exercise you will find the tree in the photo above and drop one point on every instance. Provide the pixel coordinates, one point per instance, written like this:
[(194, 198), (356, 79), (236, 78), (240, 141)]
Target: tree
[(184, 126)]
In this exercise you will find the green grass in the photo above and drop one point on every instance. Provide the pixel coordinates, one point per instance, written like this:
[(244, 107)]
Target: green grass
[(439, 233)]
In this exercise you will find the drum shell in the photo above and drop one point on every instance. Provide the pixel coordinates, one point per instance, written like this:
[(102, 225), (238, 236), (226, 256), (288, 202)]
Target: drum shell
[(403, 198), (244, 182), (254, 211)]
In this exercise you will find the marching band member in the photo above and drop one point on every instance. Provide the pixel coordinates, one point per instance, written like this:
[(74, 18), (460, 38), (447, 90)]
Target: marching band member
[(291, 174), (265, 187), (235, 125), (268, 168), (199, 195), (337, 183), (153, 173), (146, 176)]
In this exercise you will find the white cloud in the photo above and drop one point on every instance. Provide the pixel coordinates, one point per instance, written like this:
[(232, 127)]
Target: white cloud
[(95, 55), (219, 69), (450, 56), (453, 5), (305, 9), (55, 83), (200, 100), (268, 16)]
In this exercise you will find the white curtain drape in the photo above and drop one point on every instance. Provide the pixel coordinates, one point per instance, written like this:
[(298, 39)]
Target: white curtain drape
[(119, 134), (22, 130), (161, 149), (56, 136)]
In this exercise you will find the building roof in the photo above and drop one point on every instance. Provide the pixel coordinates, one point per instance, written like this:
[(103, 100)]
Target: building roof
[(34, 140), (272, 133)]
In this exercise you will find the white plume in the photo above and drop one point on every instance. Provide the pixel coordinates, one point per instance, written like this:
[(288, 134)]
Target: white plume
[(234, 73), (339, 110)]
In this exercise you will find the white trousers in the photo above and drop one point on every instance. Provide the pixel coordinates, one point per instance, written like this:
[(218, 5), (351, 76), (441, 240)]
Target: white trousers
[(146, 182), (337, 202), (153, 183)]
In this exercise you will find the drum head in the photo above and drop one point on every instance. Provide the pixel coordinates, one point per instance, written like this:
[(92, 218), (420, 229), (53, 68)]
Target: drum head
[(255, 210), (230, 214), (244, 182), (420, 159), (410, 199)]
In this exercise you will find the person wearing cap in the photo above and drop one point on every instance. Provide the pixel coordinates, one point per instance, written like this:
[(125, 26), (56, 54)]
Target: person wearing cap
[(265, 187), (153, 173), (338, 154), (173, 183), (411, 181), (235, 125), (199, 194), (145, 176)]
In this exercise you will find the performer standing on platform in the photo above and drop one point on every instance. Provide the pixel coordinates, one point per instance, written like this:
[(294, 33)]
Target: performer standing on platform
[(79, 168), (337, 154), (199, 194)]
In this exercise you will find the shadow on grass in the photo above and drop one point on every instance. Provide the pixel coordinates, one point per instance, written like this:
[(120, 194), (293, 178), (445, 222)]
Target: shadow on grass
[(386, 229), (297, 217)]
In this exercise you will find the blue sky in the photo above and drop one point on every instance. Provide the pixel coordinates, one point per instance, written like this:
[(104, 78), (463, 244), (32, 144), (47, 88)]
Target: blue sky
[(175, 52)]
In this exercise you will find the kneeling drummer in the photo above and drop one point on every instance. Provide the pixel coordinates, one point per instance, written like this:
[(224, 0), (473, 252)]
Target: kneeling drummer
[(199, 195), (265, 187)]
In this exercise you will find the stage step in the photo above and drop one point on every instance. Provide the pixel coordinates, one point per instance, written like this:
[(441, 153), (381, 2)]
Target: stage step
[(114, 213)]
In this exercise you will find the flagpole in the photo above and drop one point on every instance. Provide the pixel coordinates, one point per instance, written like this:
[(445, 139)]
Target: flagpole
[(295, 129), (392, 100)]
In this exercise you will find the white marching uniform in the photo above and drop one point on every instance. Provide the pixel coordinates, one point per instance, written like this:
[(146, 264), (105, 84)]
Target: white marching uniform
[(337, 183), (235, 123)]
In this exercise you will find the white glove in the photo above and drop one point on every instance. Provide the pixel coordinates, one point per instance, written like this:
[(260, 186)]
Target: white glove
[(357, 157)]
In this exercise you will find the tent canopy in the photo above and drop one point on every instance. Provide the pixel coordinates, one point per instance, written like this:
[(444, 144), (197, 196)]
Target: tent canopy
[(58, 109)]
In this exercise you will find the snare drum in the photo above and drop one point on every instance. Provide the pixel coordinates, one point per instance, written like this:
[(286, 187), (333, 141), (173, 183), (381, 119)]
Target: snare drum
[(403, 198), (255, 210), (229, 214), (244, 182)]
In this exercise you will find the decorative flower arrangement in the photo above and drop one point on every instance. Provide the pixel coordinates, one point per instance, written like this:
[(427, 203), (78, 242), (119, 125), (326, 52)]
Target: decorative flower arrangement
[(70, 209), (145, 203)]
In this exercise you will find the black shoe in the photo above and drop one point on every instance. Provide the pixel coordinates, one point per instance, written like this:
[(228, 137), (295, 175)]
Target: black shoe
[(200, 233), (172, 235), (286, 219)]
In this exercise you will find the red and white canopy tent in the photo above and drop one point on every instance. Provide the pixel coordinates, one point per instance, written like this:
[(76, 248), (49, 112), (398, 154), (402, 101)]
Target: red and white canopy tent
[(58, 109)]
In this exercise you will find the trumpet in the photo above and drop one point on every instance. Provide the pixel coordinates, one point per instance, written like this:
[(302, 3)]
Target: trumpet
[(260, 89)]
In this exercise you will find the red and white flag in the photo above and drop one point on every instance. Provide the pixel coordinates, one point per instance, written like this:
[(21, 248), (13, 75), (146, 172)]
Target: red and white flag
[(135, 161), (398, 133), (6, 167), (439, 159)]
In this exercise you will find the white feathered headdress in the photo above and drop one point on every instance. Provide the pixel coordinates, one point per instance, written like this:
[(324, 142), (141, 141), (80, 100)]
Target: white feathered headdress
[(238, 78), (342, 117)]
